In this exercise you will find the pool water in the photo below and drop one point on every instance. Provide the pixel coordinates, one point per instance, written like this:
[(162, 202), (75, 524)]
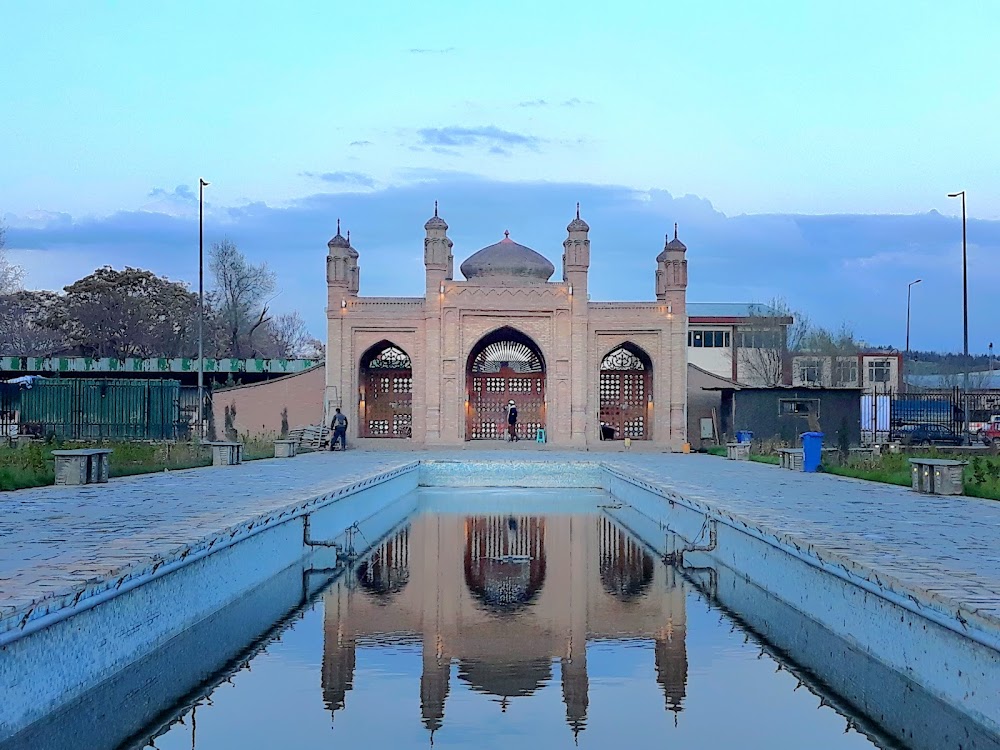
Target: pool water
[(524, 618)]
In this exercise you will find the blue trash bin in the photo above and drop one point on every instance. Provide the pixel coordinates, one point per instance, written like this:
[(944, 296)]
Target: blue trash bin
[(812, 450), (744, 436)]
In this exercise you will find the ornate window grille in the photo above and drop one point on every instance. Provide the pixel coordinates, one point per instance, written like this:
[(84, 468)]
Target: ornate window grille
[(622, 359), (390, 358), (519, 357)]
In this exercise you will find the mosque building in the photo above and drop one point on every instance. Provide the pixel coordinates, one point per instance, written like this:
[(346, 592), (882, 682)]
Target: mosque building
[(441, 369)]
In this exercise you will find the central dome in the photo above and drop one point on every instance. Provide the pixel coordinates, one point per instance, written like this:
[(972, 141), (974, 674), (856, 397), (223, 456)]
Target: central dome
[(508, 261)]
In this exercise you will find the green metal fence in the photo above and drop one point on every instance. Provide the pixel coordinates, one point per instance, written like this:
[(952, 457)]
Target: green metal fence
[(95, 409)]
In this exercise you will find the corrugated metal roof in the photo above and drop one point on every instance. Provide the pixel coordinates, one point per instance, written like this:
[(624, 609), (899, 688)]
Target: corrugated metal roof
[(983, 380)]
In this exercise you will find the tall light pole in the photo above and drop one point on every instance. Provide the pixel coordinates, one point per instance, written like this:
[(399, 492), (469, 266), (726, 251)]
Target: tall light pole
[(965, 320), (201, 308), (908, 288)]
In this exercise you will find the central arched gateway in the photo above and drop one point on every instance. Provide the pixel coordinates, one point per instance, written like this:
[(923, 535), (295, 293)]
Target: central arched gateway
[(504, 366)]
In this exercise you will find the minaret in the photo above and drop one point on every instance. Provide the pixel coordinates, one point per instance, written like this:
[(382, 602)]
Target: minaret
[(671, 273), (438, 259), (343, 276), (576, 255)]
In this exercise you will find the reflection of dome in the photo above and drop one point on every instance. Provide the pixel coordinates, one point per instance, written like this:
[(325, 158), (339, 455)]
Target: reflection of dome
[(505, 680), (504, 560), (508, 260), (626, 568)]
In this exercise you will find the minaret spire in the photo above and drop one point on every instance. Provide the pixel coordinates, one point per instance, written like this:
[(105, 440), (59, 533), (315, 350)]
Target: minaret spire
[(578, 209), (435, 208), (675, 230), (338, 226), (348, 236)]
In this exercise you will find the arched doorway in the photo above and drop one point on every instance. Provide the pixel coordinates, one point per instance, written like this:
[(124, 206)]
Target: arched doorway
[(626, 393), (386, 392), (504, 560), (504, 366)]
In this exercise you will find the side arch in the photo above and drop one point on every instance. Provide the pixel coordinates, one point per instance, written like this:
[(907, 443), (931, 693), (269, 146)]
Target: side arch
[(626, 393), (504, 366), (386, 378)]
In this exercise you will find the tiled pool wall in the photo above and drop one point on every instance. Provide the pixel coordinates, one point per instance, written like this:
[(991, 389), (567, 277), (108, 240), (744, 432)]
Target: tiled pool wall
[(60, 654), (955, 663)]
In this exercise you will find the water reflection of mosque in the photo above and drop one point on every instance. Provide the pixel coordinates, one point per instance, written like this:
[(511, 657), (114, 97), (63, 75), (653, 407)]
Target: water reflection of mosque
[(504, 597)]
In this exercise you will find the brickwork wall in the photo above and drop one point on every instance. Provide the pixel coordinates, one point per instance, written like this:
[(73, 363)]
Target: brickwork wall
[(259, 406)]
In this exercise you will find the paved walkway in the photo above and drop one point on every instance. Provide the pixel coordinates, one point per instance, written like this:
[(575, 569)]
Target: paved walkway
[(52, 540)]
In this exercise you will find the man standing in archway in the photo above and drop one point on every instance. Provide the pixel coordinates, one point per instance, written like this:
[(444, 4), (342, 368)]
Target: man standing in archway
[(512, 421)]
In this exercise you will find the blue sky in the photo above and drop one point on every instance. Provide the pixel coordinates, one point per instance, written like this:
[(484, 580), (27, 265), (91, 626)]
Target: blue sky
[(744, 122)]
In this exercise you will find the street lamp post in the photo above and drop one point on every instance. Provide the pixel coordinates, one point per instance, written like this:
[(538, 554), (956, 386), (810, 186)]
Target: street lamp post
[(965, 319), (908, 288), (201, 308)]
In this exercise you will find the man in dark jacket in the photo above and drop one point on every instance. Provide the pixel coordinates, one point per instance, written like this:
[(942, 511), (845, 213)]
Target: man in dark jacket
[(512, 421), (339, 425)]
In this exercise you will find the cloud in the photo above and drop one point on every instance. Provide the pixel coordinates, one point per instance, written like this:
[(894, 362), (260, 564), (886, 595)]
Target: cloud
[(359, 144), (837, 269), (476, 137), (533, 103), (431, 51), (181, 192), (574, 102), (342, 178)]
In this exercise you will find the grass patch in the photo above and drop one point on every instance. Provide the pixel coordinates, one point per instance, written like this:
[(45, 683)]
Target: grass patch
[(762, 458), (717, 450)]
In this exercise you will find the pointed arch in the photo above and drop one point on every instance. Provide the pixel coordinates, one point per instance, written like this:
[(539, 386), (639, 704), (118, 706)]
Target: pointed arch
[(386, 378), (626, 393), (505, 365)]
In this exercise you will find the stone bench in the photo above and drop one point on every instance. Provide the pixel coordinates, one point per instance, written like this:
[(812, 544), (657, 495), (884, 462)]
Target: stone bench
[(937, 476), (791, 458), (738, 451), (225, 453), (82, 465), (285, 448)]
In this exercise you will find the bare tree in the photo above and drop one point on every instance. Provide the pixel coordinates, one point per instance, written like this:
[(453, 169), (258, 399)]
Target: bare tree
[(764, 340), (11, 274), (30, 324), (241, 294), (289, 335)]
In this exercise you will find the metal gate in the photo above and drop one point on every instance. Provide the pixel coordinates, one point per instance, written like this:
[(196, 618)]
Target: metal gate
[(505, 371), (625, 391), (387, 395)]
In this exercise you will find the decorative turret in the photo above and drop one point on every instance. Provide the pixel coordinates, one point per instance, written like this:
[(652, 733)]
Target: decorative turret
[(576, 254), (342, 264), (438, 260), (671, 269)]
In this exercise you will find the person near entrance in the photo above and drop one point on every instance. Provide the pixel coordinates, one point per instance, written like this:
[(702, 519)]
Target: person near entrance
[(512, 421), (339, 425)]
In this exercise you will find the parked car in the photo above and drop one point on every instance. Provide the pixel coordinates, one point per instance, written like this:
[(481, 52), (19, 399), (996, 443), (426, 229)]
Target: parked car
[(990, 433), (925, 434)]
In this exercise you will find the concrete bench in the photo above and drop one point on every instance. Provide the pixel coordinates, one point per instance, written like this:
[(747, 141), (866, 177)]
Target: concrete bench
[(82, 465), (791, 458), (226, 454), (285, 448), (937, 476), (738, 451)]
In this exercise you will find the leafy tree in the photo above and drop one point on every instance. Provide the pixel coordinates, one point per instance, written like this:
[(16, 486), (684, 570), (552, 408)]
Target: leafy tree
[(241, 295), (129, 313), (30, 324)]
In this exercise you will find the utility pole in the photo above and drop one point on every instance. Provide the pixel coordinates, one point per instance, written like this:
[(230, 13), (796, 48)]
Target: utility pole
[(201, 308), (965, 320)]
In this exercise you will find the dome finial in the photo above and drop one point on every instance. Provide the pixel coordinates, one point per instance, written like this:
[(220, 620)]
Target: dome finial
[(435, 208), (506, 234), (338, 226), (578, 209), (348, 236), (675, 230)]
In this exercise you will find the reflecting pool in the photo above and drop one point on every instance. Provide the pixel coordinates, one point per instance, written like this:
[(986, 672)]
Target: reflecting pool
[(510, 628), (505, 619)]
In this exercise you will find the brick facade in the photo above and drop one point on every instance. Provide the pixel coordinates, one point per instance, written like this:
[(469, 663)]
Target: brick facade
[(259, 407), (441, 330)]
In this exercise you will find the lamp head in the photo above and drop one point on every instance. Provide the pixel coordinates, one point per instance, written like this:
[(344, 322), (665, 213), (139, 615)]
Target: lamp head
[(955, 195)]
